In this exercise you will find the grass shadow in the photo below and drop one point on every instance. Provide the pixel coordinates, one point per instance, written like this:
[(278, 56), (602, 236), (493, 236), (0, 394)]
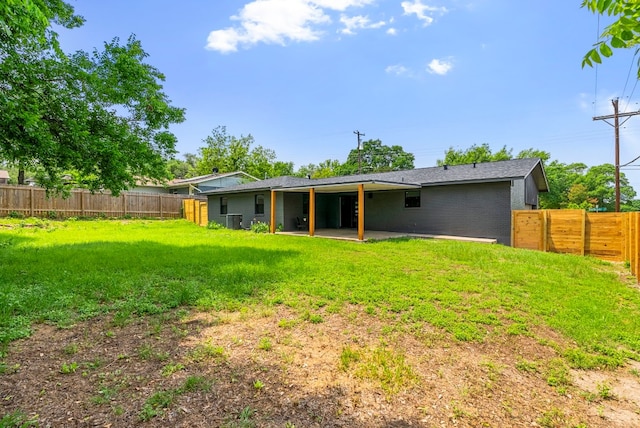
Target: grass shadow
[(62, 283)]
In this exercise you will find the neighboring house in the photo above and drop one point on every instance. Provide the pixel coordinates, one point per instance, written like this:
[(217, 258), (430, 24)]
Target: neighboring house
[(4, 176), (196, 185), (473, 200)]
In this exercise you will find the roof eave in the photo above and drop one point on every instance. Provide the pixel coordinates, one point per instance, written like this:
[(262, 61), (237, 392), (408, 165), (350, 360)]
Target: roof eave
[(374, 185)]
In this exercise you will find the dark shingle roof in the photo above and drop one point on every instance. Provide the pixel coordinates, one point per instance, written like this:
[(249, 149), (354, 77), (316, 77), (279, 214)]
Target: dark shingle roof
[(268, 184), (433, 176), (480, 172)]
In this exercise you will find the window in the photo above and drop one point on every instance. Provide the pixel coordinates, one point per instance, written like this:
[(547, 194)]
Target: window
[(305, 204), (223, 205), (412, 199), (259, 204)]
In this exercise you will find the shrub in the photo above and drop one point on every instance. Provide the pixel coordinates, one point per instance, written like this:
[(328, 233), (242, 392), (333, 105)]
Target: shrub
[(215, 225), (259, 227)]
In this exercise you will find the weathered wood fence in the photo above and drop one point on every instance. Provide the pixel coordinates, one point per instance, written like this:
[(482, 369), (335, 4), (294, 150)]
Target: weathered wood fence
[(196, 211), (31, 201), (608, 236)]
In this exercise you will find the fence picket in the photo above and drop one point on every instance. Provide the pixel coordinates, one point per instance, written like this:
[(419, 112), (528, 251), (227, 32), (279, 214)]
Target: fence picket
[(32, 201), (608, 236)]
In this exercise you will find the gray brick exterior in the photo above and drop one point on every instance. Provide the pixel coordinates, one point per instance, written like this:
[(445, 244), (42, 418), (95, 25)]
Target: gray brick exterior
[(462, 200)]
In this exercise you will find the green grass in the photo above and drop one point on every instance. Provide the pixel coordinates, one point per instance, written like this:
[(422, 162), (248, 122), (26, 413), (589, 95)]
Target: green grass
[(159, 401), (64, 272)]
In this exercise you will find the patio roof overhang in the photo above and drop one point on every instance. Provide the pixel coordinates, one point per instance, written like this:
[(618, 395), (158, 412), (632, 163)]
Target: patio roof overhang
[(369, 186)]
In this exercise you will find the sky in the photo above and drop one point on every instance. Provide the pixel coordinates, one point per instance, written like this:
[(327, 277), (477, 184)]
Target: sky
[(302, 76)]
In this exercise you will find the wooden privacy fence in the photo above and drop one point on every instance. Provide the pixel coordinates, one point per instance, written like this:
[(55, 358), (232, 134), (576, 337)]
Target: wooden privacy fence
[(196, 211), (608, 236), (33, 202)]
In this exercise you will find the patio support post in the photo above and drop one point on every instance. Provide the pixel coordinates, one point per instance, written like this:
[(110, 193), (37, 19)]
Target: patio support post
[(273, 212), (312, 211), (360, 212)]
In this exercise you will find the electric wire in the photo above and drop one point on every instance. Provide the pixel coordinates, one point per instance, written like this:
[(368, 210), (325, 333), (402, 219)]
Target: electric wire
[(633, 60), (624, 89), (595, 91), (630, 162)]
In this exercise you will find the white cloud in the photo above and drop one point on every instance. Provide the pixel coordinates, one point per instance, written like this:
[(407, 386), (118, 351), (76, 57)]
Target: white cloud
[(278, 22), (422, 11), (270, 21), (438, 66), (341, 5), (352, 23), (398, 70), (392, 31)]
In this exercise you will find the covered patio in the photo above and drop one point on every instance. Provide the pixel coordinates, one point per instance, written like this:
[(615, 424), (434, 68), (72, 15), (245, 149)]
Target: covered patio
[(359, 187), (379, 235)]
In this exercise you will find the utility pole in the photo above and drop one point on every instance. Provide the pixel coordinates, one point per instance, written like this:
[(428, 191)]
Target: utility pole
[(359, 134), (616, 126)]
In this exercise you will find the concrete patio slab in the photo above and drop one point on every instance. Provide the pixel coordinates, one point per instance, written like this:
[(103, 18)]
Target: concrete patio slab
[(352, 235)]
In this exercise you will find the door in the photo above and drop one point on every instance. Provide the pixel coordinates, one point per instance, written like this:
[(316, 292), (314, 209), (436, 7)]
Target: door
[(348, 211)]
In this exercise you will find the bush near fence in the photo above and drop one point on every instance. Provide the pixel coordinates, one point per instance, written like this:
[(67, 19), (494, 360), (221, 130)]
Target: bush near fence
[(607, 236), (29, 201)]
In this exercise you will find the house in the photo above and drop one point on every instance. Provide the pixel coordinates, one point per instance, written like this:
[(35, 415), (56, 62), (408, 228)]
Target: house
[(195, 185), (473, 200), (4, 176)]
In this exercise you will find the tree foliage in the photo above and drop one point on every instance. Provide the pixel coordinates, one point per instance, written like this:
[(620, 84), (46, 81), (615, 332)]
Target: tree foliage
[(228, 153), (623, 33), (100, 116), (570, 185), (475, 153), (29, 22), (377, 157), (183, 168), (325, 169)]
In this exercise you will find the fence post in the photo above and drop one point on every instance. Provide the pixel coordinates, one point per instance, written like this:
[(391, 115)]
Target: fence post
[(124, 204), (160, 201), (196, 212), (31, 202), (545, 230), (584, 233), (636, 249), (513, 229)]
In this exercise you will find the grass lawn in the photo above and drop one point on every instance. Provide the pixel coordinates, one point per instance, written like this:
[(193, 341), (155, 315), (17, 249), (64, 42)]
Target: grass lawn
[(163, 323), (64, 272)]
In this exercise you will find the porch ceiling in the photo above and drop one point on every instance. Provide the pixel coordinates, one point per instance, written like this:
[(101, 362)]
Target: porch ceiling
[(369, 186)]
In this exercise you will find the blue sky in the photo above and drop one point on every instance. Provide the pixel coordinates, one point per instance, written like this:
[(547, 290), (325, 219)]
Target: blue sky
[(302, 75)]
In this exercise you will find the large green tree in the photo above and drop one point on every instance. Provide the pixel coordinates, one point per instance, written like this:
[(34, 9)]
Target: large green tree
[(101, 116), (599, 181), (622, 33), (377, 157), (475, 153), (570, 185), (228, 153), (577, 186), (183, 168), (326, 168), (561, 178)]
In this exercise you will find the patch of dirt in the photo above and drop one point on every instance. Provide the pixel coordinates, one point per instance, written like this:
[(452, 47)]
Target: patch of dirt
[(278, 368)]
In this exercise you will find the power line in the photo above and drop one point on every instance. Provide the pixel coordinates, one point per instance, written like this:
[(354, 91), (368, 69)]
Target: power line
[(616, 125), (627, 81), (630, 162), (595, 91)]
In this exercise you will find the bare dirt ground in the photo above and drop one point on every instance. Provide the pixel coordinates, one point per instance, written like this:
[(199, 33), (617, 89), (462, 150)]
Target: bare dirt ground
[(274, 368)]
